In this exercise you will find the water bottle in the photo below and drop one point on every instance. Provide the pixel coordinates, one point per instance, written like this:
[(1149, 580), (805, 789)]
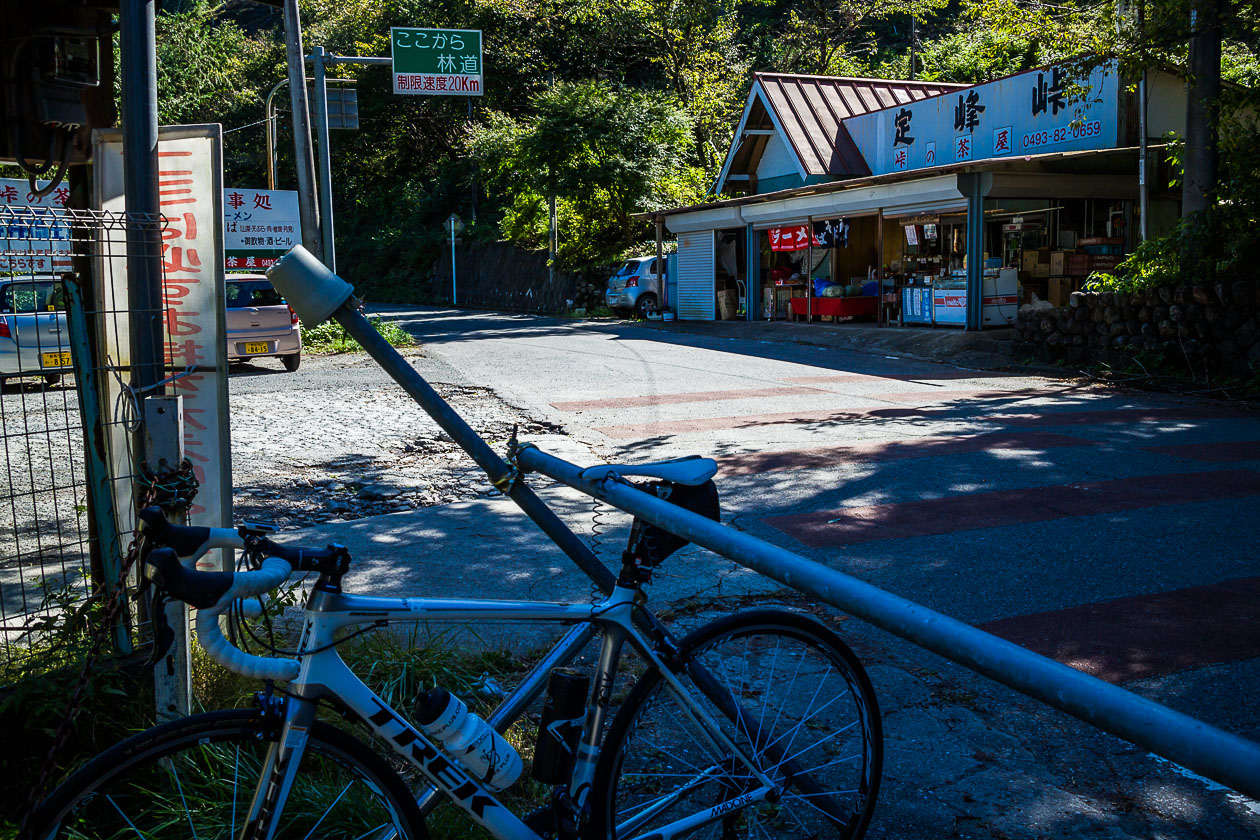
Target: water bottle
[(472, 741)]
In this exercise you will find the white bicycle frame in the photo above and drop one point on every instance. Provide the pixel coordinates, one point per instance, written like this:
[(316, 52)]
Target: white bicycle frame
[(324, 675)]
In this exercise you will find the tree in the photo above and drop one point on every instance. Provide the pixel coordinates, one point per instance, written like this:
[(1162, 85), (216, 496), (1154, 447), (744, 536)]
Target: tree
[(605, 152)]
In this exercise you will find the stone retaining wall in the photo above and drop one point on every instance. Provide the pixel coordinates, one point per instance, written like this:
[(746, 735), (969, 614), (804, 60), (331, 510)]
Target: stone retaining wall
[(1206, 326)]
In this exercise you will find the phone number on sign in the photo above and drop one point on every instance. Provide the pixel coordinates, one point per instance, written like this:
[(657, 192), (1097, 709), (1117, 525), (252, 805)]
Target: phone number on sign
[(1063, 134)]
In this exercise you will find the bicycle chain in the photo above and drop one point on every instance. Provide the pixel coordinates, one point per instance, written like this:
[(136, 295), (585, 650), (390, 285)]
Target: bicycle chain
[(170, 491)]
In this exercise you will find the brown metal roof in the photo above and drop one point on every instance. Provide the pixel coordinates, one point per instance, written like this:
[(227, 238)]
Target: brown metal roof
[(811, 110)]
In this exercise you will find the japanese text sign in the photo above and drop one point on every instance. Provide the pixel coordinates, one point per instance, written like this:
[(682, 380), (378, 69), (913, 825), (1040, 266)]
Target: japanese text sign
[(33, 238), (190, 190), (1026, 113), (436, 62), (259, 227), (790, 238)]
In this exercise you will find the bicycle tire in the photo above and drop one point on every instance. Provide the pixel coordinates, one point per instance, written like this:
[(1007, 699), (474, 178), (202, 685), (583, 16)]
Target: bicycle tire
[(652, 752), (191, 778)]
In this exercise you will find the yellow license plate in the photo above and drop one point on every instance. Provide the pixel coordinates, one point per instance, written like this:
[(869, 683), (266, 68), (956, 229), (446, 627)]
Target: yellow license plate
[(55, 359), (256, 347)]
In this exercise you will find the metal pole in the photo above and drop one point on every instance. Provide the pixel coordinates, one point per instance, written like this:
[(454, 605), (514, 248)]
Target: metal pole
[(1143, 189), (304, 158), (271, 134), (325, 159), (140, 138), (1204, 749), (454, 288), (500, 473), (660, 263)]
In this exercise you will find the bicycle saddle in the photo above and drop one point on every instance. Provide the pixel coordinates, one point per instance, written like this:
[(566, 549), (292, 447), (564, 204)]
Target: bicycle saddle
[(691, 470)]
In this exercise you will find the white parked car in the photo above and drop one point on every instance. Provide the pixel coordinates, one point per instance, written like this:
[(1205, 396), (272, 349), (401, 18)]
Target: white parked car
[(636, 287), (34, 337), (259, 322)]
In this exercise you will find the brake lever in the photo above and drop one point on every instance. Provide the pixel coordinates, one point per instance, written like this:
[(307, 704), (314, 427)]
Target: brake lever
[(163, 633)]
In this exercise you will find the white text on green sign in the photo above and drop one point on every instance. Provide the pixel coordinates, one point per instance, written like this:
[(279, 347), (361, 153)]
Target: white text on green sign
[(436, 62)]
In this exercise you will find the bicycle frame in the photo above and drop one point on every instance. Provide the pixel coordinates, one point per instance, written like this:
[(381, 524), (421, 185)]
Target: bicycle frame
[(324, 675)]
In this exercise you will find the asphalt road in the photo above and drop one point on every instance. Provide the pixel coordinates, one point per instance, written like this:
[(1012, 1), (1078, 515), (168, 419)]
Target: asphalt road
[(1111, 530)]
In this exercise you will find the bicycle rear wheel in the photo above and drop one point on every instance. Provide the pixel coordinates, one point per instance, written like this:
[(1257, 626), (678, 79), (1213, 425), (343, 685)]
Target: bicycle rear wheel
[(807, 718), (195, 778)]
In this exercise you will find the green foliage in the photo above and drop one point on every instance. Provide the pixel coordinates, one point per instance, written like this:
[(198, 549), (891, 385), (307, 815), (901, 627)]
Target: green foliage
[(40, 684), (331, 337), (604, 152)]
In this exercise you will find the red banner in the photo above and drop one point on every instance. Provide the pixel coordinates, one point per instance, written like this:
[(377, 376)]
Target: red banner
[(791, 238)]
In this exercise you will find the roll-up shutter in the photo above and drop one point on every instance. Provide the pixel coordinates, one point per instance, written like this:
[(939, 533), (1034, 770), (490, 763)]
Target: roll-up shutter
[(696, 275)]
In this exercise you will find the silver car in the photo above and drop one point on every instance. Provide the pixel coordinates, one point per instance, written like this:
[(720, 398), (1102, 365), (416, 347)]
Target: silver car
[(34, 338), (635, 287), (260, 323)]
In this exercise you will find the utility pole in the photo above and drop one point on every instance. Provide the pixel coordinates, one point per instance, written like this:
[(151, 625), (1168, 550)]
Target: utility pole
[(914, 38), (325, 159), (303, 154), (1198, 183)]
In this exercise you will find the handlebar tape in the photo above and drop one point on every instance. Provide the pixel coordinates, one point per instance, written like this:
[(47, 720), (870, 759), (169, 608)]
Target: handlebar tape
[(212, 593), (187, 540)]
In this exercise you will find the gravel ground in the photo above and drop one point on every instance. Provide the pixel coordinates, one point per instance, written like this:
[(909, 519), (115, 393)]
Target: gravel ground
[(339, 440)]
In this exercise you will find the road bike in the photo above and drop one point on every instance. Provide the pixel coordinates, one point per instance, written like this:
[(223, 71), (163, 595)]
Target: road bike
[(759, 724)]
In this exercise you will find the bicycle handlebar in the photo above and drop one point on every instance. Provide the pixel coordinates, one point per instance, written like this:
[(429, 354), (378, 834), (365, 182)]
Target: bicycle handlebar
[(212, 593)]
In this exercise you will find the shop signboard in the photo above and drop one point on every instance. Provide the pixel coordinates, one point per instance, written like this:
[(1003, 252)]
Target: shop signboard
[(35, 241), (190, 190), (436, 62), (1028, 113), (794, 238), (259, 227)]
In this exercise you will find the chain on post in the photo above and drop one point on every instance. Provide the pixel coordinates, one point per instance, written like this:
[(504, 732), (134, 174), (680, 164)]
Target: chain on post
[(171, 491)]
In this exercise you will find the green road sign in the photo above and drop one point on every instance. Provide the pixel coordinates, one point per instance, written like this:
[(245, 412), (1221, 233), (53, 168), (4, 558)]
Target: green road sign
[(436, 62)]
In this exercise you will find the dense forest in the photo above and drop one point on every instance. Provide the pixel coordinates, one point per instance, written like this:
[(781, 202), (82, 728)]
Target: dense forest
[(613, 106)]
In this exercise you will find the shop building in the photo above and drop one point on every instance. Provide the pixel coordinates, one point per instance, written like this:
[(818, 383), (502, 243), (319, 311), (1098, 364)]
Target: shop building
[(868, 197)]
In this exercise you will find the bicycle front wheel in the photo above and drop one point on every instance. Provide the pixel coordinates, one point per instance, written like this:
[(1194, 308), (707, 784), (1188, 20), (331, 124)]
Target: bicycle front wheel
[(790, 695), (196, 777)]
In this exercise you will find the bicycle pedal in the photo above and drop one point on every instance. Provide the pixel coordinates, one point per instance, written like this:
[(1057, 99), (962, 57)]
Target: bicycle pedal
[(543, 822)]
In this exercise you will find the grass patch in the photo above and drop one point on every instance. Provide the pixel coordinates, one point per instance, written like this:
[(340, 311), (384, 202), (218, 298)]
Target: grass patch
[(331, 337)]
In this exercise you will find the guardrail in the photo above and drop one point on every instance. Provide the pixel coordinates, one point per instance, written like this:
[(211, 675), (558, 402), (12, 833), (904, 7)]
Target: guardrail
[(1228, 759)]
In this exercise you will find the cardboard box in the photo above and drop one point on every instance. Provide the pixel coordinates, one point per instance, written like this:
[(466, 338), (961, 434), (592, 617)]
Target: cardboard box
[(727, 302), (1059, 290), (1030, 261), (1041, 269), (1058, 263)]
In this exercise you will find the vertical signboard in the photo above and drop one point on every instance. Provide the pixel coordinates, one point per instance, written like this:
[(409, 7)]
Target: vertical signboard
[(190, 189), (436, 62), (35, 242), (259, 227)]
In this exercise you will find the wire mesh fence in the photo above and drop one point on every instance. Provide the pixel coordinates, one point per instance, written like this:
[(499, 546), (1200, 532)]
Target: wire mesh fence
[(54, 544)]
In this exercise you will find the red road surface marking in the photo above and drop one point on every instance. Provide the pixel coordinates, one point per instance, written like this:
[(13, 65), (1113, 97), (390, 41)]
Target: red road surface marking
[(1246, 450), (1092, 417), (1114, 415), (847, 526), (678, 427), (1147, 635), (695, 396), (928, 397), (902, 377), (885, 450)]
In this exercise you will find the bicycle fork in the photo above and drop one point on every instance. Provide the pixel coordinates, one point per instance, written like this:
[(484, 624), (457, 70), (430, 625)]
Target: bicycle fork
[(294, 718)]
